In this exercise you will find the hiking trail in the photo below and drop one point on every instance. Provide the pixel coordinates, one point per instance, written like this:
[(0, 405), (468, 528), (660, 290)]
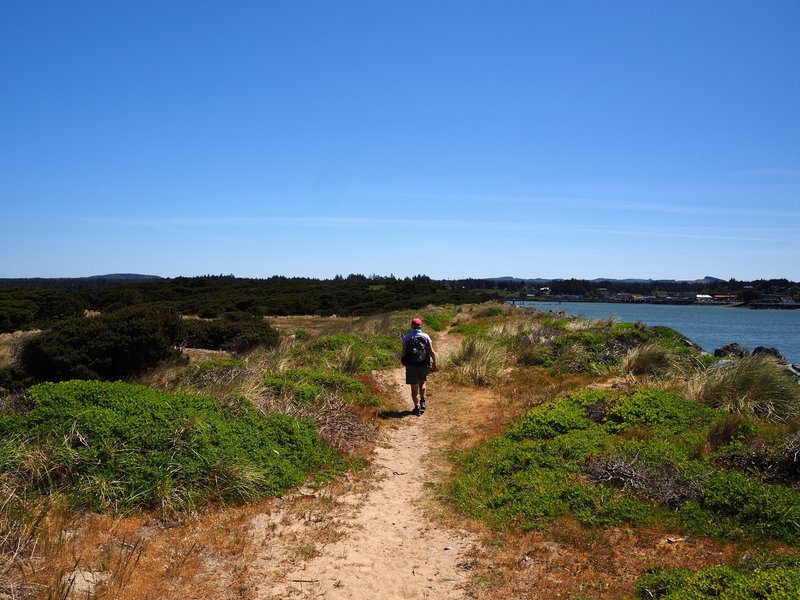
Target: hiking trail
[(388, 545)]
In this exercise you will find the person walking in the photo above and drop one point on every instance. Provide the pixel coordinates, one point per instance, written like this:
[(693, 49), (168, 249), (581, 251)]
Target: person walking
[(419, 360)]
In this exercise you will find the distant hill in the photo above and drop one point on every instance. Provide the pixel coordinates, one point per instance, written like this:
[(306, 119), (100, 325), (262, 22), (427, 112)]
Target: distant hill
[(124, 276)]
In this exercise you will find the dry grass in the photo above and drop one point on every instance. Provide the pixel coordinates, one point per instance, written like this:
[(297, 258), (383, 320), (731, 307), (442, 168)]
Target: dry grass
[(531, 330), (650, 359), (567, 561), (9, 342), (311, 326), (476, 362), (335, 422), (756, 386)]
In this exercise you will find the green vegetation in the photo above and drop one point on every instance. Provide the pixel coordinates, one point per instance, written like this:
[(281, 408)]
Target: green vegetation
[(120, 447), (575, 345), (773, 577), (351, 353), (614, 458), (668, 440), (37, 308), (211, 297), (306, 385), (113, 346), (233, 332)]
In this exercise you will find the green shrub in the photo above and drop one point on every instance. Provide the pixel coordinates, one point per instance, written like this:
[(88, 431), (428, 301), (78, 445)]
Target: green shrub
[(306, 385), (120, 447), (489, 312), (551, 420), (779, 580), (755, 386), (773, 458), (599, 506), (731, 503), (613, 458), (233, 332), (112, 346), (37, 308), (649, 406)]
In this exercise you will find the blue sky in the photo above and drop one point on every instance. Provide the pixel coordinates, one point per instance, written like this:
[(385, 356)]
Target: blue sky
[(450, 138)]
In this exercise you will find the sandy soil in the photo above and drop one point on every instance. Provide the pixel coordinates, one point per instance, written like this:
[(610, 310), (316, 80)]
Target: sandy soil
[(388, 547)]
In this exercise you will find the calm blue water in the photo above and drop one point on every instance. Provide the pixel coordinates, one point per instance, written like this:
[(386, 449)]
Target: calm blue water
[(708, 326)]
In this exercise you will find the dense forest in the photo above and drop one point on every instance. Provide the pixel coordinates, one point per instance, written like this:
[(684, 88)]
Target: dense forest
[(27, 306), (37, 303)]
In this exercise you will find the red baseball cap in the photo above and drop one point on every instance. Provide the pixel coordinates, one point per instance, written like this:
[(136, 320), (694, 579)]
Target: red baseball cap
[(416, 321)]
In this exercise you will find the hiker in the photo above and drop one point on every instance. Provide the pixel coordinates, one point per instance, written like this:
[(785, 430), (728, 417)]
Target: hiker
[(419, 360)]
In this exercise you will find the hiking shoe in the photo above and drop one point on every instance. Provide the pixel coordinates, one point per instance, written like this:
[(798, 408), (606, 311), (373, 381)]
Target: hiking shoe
[(422, 406), (416, 411)]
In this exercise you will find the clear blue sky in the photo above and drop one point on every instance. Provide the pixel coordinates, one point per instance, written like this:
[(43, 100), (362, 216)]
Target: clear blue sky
[(450, 138)]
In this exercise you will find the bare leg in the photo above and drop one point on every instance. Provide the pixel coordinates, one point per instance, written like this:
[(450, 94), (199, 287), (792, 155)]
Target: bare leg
[(415, 389)]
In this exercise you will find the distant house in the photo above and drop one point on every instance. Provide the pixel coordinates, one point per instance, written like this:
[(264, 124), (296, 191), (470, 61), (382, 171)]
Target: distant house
[(704, 298)]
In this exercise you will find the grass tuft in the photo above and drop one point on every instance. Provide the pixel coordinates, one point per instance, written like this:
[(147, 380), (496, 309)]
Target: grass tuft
[(753, 386), (476, 362), (651, 359)]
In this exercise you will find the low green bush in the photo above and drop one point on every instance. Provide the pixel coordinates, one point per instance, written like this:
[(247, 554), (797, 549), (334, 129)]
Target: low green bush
[(600, 506), (612, 458), (577, 345), (306, 385), (778, 579), (773, 458), (120, 447)]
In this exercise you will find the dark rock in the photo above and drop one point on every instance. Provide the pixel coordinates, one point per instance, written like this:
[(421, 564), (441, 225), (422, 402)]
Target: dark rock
[(773, 352), (733, 350)]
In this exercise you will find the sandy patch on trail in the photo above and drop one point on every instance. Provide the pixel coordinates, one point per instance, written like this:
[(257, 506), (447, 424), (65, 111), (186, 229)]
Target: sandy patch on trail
[(388, 545)]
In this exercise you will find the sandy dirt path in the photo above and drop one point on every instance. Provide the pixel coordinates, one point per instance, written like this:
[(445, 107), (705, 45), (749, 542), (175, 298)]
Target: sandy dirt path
[(390, 547)]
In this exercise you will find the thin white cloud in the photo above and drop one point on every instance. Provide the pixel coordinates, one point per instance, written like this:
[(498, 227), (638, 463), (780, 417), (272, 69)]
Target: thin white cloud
[(472, 228), (769, 173), (612, 205)]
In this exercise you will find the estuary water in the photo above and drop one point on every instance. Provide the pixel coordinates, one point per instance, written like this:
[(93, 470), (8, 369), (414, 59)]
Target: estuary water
[(708, 326)]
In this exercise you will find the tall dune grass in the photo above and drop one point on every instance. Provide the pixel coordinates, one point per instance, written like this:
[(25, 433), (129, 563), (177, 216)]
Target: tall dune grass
[(648, 360), (756, 386), (476, 362)]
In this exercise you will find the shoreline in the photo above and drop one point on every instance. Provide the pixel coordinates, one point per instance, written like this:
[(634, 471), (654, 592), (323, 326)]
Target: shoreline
[(753, 306)]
